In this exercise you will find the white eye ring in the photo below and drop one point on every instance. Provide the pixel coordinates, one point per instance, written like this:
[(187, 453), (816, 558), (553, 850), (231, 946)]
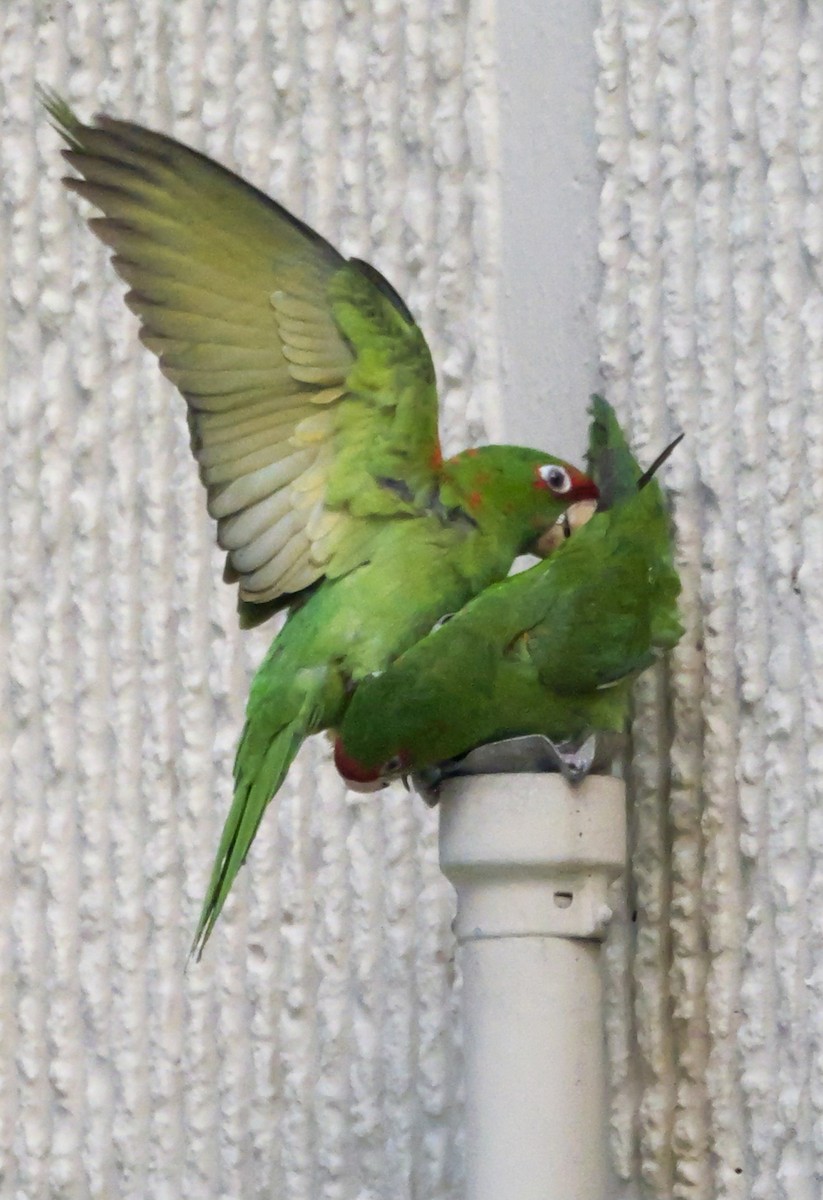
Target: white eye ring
[(393, 765), (556, 478)]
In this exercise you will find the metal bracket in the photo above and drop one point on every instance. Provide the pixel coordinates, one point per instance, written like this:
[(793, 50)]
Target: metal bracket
[(531, 754)]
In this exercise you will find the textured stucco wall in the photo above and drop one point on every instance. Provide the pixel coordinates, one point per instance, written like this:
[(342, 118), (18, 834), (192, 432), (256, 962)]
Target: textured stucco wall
[(710, 119), (314, 1052)]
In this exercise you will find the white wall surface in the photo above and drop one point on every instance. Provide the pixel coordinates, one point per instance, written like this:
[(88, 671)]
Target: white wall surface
[(314, 1053), (710, 122)]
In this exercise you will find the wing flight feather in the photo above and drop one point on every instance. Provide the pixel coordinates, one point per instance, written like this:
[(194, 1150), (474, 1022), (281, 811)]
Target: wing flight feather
[(305, 376)]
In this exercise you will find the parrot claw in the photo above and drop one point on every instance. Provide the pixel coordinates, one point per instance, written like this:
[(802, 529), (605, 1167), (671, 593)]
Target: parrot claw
[(426, 782), (575, 759)]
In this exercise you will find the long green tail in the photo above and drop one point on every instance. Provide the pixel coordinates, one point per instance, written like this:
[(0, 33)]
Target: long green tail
[(257, 776)]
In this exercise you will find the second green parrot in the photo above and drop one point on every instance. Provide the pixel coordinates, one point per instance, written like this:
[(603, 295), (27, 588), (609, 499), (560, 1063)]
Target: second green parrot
[(551, 651)]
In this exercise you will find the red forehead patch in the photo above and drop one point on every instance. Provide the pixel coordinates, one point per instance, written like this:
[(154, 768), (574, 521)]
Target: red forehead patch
[(351, 770)]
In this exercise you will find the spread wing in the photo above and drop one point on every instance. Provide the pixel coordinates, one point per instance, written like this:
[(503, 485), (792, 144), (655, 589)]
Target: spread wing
[(310, 390)]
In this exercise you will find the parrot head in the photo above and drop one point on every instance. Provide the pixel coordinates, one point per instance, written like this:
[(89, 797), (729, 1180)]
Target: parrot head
[(518, 488), (360, 778)]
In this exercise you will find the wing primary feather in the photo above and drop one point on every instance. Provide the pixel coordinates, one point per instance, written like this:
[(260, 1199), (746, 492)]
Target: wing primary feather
[(243, 527), (304, 374), (169, 152), (245, 491), (263, 549), (269, 575), (251, 418), (271, 439)]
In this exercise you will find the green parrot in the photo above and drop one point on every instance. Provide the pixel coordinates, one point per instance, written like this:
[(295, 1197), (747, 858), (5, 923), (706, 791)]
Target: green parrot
[(551, 651), (312, 408)]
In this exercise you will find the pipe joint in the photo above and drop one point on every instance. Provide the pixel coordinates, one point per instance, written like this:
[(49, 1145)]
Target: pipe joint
[(530, 855)]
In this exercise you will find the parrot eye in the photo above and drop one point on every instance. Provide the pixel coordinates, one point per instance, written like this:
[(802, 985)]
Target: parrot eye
[(393, 765), (557, 479)]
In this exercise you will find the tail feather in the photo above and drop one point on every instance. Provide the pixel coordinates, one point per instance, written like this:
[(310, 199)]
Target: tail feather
[(253, 790)]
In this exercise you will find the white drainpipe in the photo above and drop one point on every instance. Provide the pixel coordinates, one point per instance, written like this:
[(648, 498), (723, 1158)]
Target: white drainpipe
[(531, 858)]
